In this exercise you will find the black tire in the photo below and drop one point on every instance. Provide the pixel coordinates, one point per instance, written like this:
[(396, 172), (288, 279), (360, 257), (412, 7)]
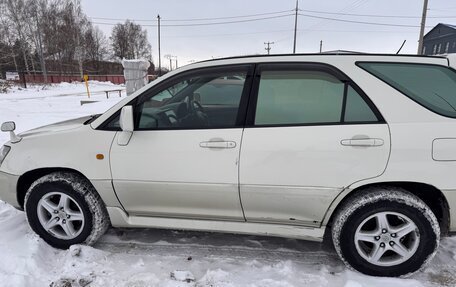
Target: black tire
[(376, 201), (81, 192)]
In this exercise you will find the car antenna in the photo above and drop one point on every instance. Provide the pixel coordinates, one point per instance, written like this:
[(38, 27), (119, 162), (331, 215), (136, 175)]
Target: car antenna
[(403, 43)]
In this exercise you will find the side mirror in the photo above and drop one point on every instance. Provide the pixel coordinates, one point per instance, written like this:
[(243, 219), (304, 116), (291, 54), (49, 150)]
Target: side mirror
[(127, 125), (8, 126), (126, 119)]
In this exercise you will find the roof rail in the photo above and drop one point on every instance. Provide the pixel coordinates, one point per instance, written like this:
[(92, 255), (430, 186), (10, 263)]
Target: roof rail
[(340, 53)]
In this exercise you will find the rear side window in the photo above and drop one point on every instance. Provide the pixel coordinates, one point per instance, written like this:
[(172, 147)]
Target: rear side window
[(356, 109), (295, 97), (432, 86), (308, 97)]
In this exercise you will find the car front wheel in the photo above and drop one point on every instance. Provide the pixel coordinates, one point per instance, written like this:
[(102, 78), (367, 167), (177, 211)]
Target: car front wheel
[(385, 232), (64, 209)]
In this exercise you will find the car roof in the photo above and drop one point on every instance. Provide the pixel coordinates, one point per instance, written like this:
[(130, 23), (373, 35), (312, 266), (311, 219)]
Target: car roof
[(328, 58)]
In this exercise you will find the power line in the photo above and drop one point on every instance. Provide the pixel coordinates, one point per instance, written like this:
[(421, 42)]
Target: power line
[(281, 31), (350, 7), (360, 22), (372, 15), (202, 24), (194, 19), (228, 34)]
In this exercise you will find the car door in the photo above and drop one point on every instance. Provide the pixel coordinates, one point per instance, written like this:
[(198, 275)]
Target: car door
[(310, 133), (182, 159)]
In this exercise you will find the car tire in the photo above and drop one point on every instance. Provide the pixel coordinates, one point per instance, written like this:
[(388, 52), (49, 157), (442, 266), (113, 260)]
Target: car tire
[(64, 209), (385, 232)]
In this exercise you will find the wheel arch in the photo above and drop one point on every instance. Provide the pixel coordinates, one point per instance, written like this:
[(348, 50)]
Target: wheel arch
[(431, 195), (26, 180)]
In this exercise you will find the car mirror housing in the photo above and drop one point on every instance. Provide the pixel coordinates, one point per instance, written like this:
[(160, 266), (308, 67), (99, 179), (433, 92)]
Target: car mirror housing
[(8, 126), (127, 125), (126, 119)]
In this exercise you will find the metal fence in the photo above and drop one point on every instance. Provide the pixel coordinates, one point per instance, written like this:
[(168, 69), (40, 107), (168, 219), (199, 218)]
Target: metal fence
[(55, 79)]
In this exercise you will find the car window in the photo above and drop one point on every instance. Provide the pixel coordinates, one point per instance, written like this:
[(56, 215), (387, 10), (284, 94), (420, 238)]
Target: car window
[(432, 86), (356, 109), (222, 91), (298, 97), (206, 101)]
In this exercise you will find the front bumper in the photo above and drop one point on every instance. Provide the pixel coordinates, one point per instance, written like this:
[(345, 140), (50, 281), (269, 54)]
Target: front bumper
[(8, 188)]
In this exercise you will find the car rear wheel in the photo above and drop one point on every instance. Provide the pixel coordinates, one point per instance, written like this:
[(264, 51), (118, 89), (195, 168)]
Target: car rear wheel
[(64, 209), (385, 232)]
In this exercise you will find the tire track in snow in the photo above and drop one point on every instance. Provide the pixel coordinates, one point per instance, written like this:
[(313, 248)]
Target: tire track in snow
[(195, 251)]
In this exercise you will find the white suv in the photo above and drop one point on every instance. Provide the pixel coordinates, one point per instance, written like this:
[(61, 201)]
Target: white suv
[(357, 148)]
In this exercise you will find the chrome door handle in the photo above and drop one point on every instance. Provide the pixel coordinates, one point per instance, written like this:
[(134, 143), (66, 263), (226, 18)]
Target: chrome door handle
[(362, 142), (218, 144)]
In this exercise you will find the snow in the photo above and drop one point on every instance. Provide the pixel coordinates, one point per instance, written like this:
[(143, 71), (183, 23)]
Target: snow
[(37, 106), (148, 257)]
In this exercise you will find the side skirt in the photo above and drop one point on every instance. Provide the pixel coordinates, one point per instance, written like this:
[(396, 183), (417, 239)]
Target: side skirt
[(121, 219)]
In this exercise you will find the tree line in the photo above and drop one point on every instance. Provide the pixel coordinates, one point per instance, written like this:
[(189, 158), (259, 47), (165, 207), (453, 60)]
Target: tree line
[(57, 36)]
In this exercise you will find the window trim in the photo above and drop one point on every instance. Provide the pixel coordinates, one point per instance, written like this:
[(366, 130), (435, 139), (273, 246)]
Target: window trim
[(405, 63), (249, 68), (312, 67)]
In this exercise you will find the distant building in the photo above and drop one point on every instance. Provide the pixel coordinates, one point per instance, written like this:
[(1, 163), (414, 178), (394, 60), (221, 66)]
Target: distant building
[(440, 40)]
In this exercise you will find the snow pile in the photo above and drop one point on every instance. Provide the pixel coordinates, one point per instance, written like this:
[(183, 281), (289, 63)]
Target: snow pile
[(135, 73)]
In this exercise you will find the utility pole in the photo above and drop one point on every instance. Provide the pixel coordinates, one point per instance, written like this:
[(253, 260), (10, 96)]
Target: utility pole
[(295, 27), (423, 26), (176, 62), (268, 48), (159, 51), (321, 46)]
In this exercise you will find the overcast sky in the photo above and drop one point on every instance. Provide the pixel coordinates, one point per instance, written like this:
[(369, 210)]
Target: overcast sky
[(204, 42)]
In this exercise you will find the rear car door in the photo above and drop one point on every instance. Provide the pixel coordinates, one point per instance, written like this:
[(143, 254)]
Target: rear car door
[(310, 133)]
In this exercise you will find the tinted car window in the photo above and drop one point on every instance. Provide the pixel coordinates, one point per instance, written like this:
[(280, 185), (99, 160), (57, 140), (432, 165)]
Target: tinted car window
[(207, 101), (357, 110), (432, 86), (298, 97)]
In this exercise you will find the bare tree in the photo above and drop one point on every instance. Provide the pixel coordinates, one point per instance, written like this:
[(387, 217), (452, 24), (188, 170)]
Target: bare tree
[(129, 41), (16, 12), (95, 44), (53, 31)]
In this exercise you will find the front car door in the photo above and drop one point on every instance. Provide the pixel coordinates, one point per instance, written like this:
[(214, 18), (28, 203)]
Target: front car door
[(182, 159), (310, 133)]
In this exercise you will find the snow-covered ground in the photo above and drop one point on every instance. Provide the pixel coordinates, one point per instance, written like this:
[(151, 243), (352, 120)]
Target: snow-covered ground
[(167, 258), (37, 105)]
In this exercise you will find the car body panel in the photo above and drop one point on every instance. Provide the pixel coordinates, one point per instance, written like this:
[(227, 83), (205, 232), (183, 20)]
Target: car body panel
[(292, 174), (175, 176)]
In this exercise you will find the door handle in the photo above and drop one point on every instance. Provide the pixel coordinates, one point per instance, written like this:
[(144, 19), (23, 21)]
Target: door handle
[(362, 142), (218, 144)]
